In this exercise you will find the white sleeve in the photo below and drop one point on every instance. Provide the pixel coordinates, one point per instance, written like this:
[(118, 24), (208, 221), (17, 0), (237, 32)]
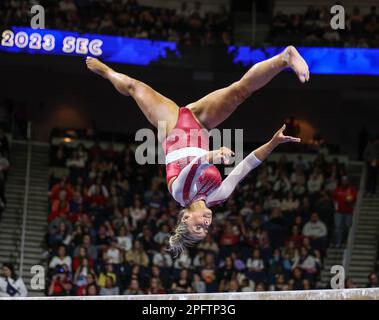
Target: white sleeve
[(68, 262), (105, 191), (168, 261), (157, 260), (3, 287), (53, 263), (91, 190), (306, 230), (324, 230), (22, 288), (238, 173)]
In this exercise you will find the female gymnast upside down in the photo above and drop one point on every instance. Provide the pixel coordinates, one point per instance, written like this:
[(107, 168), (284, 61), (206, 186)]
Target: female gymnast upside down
[(192, 178)]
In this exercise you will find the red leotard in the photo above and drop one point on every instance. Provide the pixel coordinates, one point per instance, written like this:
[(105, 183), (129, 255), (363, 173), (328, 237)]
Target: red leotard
[(185, 142), (197, 179)]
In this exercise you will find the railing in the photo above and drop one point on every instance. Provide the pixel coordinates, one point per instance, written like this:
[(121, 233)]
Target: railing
[(337, 294), (353, 230), (26, 199)]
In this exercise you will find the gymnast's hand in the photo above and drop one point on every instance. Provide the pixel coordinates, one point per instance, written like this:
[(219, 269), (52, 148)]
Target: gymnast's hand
[(280, 138), (221, 155)]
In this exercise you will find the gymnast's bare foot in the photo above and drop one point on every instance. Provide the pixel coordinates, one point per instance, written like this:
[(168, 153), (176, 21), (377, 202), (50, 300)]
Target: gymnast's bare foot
[(296, 62), (97, 67)]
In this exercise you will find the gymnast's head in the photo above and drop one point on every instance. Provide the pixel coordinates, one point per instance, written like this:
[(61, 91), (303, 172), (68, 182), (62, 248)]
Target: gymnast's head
[(192, 227)]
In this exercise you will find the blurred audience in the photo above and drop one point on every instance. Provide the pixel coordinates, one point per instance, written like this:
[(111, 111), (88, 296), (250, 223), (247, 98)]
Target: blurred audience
[(108, 228), (312, 28), (189, 24)]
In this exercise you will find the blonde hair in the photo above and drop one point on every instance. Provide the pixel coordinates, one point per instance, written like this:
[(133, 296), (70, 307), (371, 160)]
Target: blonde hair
[(181, 238)]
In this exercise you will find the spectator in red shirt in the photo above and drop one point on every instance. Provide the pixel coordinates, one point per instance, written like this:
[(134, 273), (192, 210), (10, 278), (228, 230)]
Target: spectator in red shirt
[(344, 198), (230, 235), (60, 206), (81, 216), (98, 194), (229, 238), (63, 184), (77, 261), (155, 287), (81, 187), (60, 285), (296, 236)]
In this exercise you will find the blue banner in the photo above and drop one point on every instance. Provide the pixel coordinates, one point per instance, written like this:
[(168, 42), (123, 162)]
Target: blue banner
[(108, 48), (338, 61)]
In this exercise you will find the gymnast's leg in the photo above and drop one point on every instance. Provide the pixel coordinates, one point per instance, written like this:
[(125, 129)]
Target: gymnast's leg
[(219, 105), (155, 106)]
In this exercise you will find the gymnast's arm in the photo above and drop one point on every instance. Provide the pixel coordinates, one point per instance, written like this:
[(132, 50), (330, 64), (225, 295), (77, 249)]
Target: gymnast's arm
[(253, 160), (198, 163), (218, 156)]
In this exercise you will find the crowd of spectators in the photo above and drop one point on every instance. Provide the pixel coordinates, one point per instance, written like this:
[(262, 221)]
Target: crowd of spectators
[(110, 220), (188, 24), (313, 28)]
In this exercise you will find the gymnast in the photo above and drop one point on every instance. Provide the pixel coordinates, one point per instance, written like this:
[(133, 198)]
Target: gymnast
[(192, 179)]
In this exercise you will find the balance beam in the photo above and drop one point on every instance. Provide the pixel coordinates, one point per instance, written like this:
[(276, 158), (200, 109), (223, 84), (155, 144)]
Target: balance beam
[(340, 294)]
